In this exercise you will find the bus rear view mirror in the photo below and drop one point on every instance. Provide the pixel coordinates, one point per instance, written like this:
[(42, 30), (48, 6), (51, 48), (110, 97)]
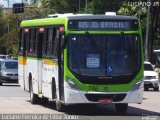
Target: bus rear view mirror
[(64, 41)]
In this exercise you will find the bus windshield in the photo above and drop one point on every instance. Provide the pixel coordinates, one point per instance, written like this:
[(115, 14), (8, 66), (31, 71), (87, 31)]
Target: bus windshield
[(104, 55)]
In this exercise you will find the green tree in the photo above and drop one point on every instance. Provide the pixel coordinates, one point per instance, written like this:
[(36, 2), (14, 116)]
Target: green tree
[(9, 42), (154, 23), (8, 33), (61, 6), (102, 6), (154, 31)]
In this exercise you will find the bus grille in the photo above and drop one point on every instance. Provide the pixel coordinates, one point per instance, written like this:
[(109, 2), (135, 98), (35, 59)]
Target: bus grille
[(114, 97)]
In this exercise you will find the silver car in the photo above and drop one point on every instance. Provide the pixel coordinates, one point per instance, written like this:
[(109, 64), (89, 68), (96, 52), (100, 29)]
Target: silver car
[(8, 71), (2, 56)]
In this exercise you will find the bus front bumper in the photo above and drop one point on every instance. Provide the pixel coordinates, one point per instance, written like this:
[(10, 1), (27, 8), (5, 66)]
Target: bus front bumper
[(82, 97)]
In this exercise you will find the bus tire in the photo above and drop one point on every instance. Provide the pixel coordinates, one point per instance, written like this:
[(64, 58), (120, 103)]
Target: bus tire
[(53, 88), (146, 88), (60, 107), (44, 100), (0, 84), (34, 99), (121, 107), (156, 88)]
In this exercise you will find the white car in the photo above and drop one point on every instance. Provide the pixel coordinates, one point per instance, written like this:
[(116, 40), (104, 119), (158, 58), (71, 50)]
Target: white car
[(2, 56), (151, 79)]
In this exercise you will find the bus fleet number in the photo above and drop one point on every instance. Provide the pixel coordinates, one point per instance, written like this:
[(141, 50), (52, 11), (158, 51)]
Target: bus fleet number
[(93, 88)]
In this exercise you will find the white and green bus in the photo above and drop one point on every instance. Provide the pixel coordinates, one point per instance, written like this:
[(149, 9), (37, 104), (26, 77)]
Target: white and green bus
[(82, 59)]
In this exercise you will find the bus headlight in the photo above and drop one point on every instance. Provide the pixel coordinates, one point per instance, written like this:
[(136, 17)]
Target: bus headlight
[(3, 74), (137, 85), (72, 85)]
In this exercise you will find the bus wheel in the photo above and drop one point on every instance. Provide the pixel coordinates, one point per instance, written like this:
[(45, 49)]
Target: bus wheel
[(121, 107), (44, 100), (156, 89), (0, 84), (60, 107), (146, 88), (33, 97)]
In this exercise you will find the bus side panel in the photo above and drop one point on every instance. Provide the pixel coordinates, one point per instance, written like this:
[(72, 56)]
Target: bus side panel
[(26, 85), (33, 68), (21, 71), (46, 80), (50, 71), (27, 72), (20, 75), (39, 75)]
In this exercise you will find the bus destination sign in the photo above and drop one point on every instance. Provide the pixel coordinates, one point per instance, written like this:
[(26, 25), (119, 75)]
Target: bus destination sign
[(102, 25)]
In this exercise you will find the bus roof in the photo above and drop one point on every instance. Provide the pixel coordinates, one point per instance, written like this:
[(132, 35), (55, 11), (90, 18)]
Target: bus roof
[(111, 17), (62, 19)]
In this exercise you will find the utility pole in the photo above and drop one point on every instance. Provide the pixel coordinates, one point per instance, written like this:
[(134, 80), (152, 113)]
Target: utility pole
[(22, 16), (86, 5), (79, 6), (8, 19), (8, 25), (147, 33), (8, 3)]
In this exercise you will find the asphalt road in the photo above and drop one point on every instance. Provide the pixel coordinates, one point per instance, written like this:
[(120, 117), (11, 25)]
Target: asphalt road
[(13, 100)]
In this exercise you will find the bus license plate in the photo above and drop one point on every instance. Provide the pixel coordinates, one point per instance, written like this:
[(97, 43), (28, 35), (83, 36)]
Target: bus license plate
[(105, 100)]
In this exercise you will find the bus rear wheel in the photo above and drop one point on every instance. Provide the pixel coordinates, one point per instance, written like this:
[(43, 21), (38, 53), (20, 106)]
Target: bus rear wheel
[(60, 107), (44, 100), (0, 84), (156, 89), (121, 107), (33, 97), (146, 88)]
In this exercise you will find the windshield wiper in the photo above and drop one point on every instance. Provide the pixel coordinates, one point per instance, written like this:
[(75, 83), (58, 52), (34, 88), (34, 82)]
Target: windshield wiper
[(92, 41), (118, 43)]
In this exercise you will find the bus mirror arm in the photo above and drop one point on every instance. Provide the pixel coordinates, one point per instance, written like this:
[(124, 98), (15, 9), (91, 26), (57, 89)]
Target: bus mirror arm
[(64, 41)]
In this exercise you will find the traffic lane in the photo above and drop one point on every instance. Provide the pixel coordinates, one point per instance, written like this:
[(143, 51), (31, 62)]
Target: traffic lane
[(14, 98), (22, 105), (83, 110), (151, 101), (150, 106), (12, 90), (107, 110)]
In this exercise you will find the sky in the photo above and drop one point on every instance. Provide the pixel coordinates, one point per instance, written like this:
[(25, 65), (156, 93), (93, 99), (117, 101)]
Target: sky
[(11, 2)]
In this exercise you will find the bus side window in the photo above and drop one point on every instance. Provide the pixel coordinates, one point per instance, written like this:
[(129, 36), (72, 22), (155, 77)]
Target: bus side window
[(25, 41), (50, 42), (20, 41), (46, 42), (49, 47), (33, 41), (54, 42), (39, 41), (29, 50)]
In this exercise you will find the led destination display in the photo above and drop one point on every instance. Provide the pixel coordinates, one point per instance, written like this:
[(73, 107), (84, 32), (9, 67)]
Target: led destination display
[(102, 25)]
